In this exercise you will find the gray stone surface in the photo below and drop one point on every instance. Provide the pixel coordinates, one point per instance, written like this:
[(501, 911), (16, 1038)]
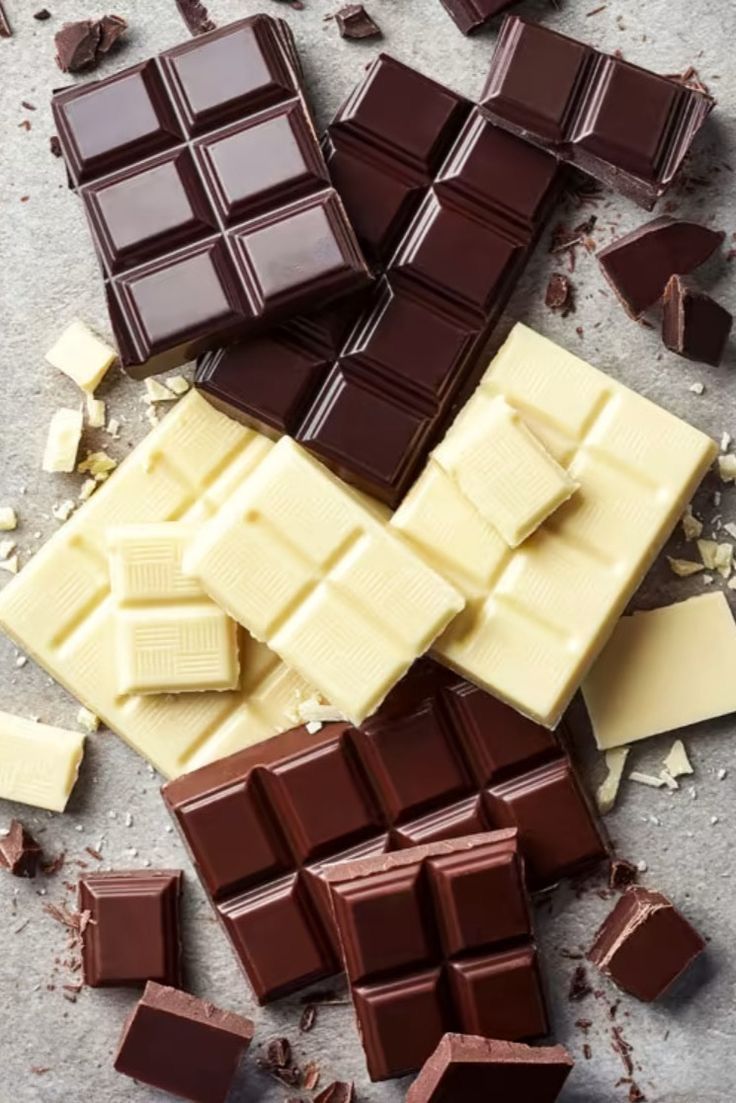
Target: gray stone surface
[(683, 1048)]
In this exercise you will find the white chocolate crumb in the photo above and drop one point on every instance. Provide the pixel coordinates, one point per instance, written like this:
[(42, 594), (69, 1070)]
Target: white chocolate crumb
[(677, 763), (652, 780), (726, 439), (683, 568), (97, 464), (727, 468), (707, 579), (62, 511), (668, 779), (177, 384), (714, 820), (62, 441), (697, 388), (607, 792), (642, 866), (152, 416), (314, 709), (722, 774), (128, 819), (113, 428), (724, 560), (10, 564), (21, 661), (730, 528), (8, 519), (708, 550), (88, 720), (95, 412), (168, 829), (156, 392), (89, 486), (691, 526), (6, 547), (313, 726)]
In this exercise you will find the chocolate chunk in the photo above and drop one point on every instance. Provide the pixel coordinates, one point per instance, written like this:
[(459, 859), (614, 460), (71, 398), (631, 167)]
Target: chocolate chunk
[(112, 27), (645, 944), (339, 1091), (278, 1053), (20, 854), (196, 16), (693, 324), (55, 145), (133, 935), (468, 1069), (42, 15), (76, 45), (639, 264), (6, 31), (586, 107), (622, 874), (471, 15), (183, 1045), (559, 294), (433, 937), (355, 22), (440, 758)]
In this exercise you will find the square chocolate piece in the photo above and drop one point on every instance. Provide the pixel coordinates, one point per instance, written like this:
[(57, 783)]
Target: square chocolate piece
[(133, 931), (206, 193), (183, 1045)]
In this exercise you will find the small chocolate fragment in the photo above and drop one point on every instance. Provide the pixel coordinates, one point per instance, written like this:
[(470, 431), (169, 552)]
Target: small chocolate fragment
[(133, 933), (559, 294), (622, 874), (339, 1091), (76, 45), (196, 16), (112, 27), (639, 264), (471, 15), (183, 1045), (693, 324), (355, 22), (645, 944), (6, 31), (278, 1053), (20, 854), (55, 145), (42, 15), (468, 1069)]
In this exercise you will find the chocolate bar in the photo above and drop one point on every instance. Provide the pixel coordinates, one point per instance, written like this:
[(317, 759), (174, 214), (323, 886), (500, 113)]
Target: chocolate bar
[(480, 1070), (439, 760), (471, 15), (437, 938), (447, 208), (240, 226), (645, 944), (132, 935), (627, 126), (183, 1045)]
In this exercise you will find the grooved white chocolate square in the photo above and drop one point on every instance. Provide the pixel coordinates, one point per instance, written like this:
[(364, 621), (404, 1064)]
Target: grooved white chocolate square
[(537, 615), (171, 637), (38, 763), (60, 610), (663, 669), (509, 478), (296, 558)]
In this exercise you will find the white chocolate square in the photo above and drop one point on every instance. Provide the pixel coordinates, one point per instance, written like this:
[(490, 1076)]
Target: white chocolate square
[(297, 559), (62, 441), (538, 614), (171, 638), (39, 764), (663, 669), (505, 473), (82, 355)]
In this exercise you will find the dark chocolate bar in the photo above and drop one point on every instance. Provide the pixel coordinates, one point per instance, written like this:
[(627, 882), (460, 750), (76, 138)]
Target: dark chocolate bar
[(471, 15), (627, 126), (183, 1045), (437, 938), (440, 759), (447, 208), (467, 1069), (133, 931), (207, 196)]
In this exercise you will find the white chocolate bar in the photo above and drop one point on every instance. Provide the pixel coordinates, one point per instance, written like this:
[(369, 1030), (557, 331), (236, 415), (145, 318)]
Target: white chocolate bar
[(505, 473), (537, 616), (39, 764), (62, 442), (663, 669), (296, 558), (82, 355), (60, 611), (171, 638)]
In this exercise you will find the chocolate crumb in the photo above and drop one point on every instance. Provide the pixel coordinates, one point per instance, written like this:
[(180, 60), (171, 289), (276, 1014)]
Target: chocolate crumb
[(622, 874), (636, 1095), (20, 854), (579, 987), (40, 1070), (354, 21), (559, 295), (278, 1053), (340, 1091), (25, 125), (308, 1019), (311, 1076), (196, 16), (42, 15), (28, 106), (587, 1051), (55, 145)]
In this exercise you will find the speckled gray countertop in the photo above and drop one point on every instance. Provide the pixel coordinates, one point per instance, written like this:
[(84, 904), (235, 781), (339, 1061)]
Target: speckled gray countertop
[(683, 1048)]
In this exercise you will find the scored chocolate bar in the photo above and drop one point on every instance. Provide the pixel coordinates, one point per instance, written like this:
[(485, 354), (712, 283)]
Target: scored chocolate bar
[(437, 938), (447, 208), (439, 760), (207, 196), (627, 126)]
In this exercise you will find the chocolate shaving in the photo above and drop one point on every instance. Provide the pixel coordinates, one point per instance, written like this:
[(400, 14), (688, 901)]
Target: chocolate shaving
[(6, 31), (579, 987), (587, 1051), (308, 1019), (196, 16), (354, 22), (311, 1076), (620, 1046), (28, 106), (93, 853), (83, 44)]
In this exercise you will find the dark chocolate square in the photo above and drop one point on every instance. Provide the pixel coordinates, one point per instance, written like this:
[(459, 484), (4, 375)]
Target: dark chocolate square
[(401, 1022), (499, 995)]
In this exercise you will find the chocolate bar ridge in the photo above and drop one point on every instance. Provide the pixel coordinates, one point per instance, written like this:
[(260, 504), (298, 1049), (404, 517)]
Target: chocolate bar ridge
[(447, 208), (439, 760), (241, 227), (623, 124)]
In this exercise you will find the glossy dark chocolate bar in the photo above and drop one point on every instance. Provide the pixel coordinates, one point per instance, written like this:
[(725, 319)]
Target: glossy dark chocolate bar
[(447, 207), (437, 938), (440, 759), (208, 198), (627, 126)]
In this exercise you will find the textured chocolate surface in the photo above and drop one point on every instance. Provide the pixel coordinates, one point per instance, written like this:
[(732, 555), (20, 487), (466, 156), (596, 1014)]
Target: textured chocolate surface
[(437, 938), (133, 931), (447, 207), (441, 759), (639, 264), (693, 324), (467, 1069), (183, 1045), (627, 126), (240, 226), (644, 944), (471, 15)]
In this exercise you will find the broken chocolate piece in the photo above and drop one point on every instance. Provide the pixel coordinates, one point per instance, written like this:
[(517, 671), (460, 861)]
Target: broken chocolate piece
[(479, 1070), (42, 15), (20, 854), (112, 27), (355, 22), (622, 874), (196, 16), (645, 944), (76, 45), (6, 31), (693, 324), (559, 294), (639, 264)]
